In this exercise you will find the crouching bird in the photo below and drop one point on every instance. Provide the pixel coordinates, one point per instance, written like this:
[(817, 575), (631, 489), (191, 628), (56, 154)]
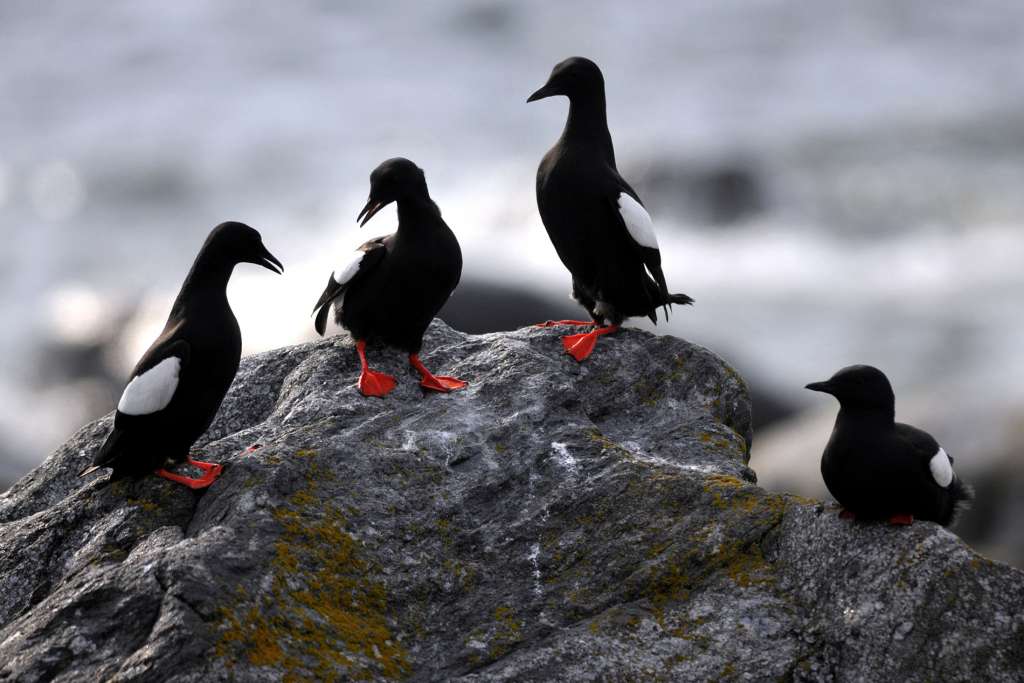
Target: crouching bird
[(177, 387), (393, 286), (877, 468), (597, 223)]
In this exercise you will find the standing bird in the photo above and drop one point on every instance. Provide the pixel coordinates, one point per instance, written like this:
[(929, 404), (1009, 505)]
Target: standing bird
[(596, 221), (877, 468), (394, 285), (178, 385)]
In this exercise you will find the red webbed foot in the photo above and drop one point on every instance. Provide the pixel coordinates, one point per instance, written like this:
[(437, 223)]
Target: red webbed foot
[(846, 514), (441, 383), (371, 382), (901, 520), (559, 323), (580, 346), (211, 471)]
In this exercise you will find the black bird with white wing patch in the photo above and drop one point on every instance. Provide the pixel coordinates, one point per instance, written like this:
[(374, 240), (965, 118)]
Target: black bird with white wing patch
[(877, 468), (177, 387), (596, 221), (393, 286)]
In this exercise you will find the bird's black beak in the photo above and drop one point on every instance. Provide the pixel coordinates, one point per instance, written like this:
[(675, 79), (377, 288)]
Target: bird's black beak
[(547, 91), (370, 210), (269, 261), (824, 387)]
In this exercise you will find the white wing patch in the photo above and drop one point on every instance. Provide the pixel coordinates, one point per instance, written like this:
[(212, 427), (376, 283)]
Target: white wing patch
[(637, 221), (152, 390), (941, 468), (346, 272)]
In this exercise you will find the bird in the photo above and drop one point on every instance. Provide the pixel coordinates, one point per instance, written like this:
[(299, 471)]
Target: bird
[(394, 285), (177, 386), (595, 219), (880, 469)]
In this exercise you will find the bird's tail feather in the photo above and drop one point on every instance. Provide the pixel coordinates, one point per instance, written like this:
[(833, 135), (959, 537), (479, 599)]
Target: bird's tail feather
[(960, 497), (666, 306), (321, 319), (106, 453), (680, 299)]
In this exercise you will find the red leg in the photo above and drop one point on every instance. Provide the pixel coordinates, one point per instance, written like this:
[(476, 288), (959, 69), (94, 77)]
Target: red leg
[(211, 471), (846, 514), (372, 383), (557, 323), (440, 383), (901, 520), (252, 449), (579, 346)]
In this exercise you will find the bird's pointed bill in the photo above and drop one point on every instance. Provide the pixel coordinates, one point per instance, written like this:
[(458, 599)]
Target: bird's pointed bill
[(540, 94), (270, 262), (369, 211)]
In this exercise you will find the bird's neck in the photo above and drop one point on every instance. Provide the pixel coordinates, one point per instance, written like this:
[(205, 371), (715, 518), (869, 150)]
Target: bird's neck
[(416, 211), (588, 123), (206, 282), (878, 418)]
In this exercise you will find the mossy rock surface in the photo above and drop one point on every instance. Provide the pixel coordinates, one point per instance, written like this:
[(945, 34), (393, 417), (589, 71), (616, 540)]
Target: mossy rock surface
[(554, 521)]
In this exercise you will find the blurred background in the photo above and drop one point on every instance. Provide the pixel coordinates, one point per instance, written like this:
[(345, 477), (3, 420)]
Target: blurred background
[(832, 182)]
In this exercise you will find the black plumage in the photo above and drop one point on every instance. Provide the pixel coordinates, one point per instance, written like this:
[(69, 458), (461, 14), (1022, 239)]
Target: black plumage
[(177, 387), (394, 285), (595, 220), (877, 468)]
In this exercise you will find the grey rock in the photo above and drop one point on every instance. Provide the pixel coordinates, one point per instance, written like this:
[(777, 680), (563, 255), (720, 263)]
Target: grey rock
[(554, 521)]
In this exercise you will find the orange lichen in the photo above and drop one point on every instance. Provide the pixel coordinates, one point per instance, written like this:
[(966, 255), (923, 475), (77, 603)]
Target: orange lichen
[(324, 615)]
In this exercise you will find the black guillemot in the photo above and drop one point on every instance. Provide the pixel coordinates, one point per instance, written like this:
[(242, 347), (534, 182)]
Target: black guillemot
[(394, 285), (177, 386), (597, 223), (877, 468)]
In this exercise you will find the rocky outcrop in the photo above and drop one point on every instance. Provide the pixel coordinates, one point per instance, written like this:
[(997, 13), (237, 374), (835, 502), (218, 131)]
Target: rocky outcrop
[(555, 521)]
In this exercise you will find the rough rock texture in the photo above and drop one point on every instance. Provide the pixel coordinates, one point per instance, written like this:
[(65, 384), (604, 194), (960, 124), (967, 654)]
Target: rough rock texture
[(553, 522)]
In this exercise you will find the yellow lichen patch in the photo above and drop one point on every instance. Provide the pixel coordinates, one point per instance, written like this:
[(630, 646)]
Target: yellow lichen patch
[(597, 437), (677, 368), (444, 531), (649, 392), (658, 548), (324, 615), (147, 505), (741, 562), (685, 630), (724, 481), (509, 631), (731, 493), (745, 565)]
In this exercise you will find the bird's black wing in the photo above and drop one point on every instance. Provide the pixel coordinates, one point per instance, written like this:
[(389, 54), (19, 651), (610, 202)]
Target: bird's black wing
[(151, 388), (636, 224), (367, 257), (926, 452), (931, 462)]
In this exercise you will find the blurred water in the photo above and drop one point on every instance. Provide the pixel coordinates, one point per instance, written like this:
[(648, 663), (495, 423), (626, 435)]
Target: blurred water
[(884, 141)]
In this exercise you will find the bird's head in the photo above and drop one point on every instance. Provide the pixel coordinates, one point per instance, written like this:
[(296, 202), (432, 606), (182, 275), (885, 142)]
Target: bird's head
[(574, 78), (232, 243), (394, 180), (859, 386)]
